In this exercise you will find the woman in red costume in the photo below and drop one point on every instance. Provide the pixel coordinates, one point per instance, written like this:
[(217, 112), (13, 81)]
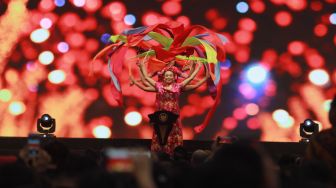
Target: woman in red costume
[(168, 50), (168, 91)]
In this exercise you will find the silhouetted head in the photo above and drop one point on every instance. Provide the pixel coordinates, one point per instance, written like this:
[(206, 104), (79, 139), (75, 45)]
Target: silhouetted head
[(199, 157), (332, 113)]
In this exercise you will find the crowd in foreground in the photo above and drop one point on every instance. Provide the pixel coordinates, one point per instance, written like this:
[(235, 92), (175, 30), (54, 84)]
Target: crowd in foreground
[(240, 164)]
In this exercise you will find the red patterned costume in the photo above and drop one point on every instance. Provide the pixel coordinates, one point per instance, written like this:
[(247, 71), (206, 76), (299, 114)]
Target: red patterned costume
[(168, 100)]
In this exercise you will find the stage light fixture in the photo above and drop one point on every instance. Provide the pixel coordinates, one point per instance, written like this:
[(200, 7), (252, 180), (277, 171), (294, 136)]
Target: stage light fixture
[(46, 125), (307, 129)]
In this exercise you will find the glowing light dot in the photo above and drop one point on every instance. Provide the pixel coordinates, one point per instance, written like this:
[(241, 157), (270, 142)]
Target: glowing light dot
[(56, 76), (247, 91), (39, 35), (116, 8), (45, 23), (326, 105), (16, 108), (239, 113), (150, 18), (258, 6), (171, 8), (319, 77), (92, 5), (102, 131), (315, 60), (129, 19), (247, 24), (117, 11), (226, 64), (283, 18), (283, 119), (211, 14), (32, 88), (5, 95), (183, 19), (296, 47), (252, 109), (63, 47), (59, 3), (229, 123), (278, 2), (243, 37), (253, 123), (256, 74), (69, 20), (288, 123), (47, 5), (76, 39), (242, 7), (297, 5), (279, 115), (219, 23), (12, 76), (242, 55), (320, 30), (133, 118), (46, 57), (332, 18), (316, 5), (79, 3)]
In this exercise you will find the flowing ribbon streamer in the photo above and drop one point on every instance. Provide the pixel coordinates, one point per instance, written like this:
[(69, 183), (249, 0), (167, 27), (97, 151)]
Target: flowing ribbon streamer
[(162, 43)]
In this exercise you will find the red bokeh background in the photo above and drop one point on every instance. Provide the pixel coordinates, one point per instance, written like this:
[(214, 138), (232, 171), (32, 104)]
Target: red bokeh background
[(46, 48)]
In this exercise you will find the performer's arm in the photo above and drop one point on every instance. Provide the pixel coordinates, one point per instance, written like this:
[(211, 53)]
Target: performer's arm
[(194, 86), (191, 77), (143, 80), (199, 83), (145, 88), (144, 73)]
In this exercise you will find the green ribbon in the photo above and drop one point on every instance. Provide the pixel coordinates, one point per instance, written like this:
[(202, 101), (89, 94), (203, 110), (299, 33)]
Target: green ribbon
[(209, 51), (116, 38), (163, 40)]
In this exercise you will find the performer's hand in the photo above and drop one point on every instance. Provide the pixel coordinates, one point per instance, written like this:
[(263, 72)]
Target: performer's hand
[(143, 171), (186, 67), (142, 62), (184, 75)]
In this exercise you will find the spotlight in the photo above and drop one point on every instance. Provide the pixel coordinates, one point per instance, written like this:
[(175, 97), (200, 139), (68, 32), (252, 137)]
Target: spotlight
[(46, 125), (307, 129)]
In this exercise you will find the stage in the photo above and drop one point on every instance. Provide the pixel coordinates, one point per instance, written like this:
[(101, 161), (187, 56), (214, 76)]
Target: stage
[(10, 146)]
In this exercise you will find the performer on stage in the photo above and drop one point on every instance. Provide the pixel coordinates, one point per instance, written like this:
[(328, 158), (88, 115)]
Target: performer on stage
[(168, 51), (168, 91)]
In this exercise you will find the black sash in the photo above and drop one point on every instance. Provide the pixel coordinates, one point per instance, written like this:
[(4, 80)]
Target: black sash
[(163, 123)]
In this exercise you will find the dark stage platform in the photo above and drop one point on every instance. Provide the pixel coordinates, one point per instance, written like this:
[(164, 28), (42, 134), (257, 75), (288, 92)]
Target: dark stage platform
[(11, 145)]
